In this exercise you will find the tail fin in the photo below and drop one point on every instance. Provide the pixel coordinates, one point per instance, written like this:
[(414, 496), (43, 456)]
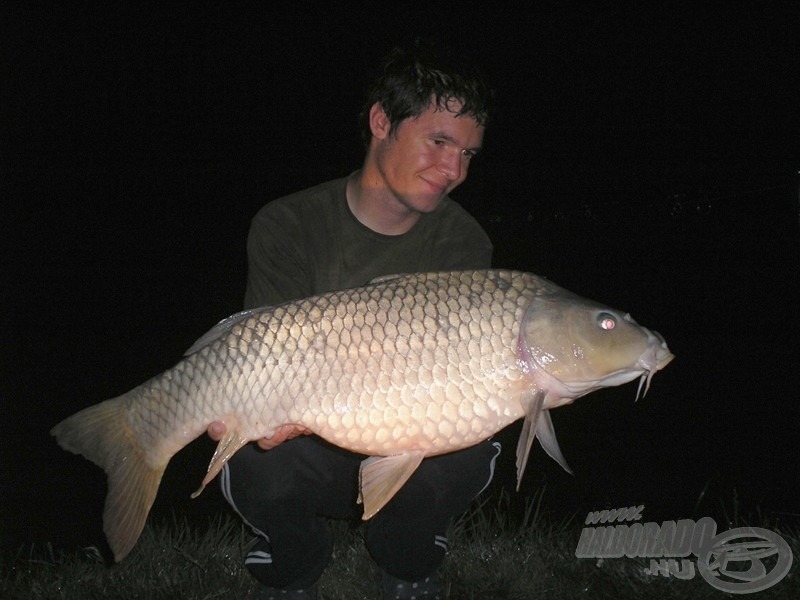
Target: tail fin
[(101, 434)]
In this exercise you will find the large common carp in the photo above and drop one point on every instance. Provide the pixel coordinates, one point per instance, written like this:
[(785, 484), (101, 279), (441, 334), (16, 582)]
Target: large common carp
[(407, 367)]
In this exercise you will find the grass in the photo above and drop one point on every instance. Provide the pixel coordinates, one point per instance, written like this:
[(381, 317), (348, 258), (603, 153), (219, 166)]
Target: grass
[(499, 549)]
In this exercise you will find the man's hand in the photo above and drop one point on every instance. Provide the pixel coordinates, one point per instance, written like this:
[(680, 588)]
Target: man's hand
[(285, 432)]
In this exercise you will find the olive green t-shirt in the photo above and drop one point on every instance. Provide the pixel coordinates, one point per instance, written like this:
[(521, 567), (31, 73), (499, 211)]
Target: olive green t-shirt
[(310, 242)]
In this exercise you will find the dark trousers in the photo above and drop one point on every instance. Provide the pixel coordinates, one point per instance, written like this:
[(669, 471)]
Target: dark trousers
[(286, 495)]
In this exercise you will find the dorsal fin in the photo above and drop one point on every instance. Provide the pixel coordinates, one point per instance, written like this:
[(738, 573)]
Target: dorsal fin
[(220, 329), (385, 278)]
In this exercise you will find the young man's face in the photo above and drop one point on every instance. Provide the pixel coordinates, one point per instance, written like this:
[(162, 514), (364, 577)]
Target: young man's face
[(425, 157)]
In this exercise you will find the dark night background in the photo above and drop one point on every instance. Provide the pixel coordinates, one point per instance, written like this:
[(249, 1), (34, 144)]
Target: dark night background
[(646, 158)]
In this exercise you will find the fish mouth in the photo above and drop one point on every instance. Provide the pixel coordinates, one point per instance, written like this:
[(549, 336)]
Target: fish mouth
[(653, 359), (656, 357)]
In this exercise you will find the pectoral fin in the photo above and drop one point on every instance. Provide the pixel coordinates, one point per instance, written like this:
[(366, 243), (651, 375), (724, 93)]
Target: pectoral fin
[(547, 438), (382, 476), (528, 434), (538, 423), (227, 447)]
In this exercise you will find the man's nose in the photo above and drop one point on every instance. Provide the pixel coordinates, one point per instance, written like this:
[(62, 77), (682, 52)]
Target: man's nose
[(450, 165)]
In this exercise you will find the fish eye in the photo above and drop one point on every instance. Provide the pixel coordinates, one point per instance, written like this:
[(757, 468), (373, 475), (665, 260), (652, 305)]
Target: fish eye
[(606, 321)]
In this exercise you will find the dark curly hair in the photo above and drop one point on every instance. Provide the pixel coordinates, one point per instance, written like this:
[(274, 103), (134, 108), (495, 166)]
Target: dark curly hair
[(424, 74)]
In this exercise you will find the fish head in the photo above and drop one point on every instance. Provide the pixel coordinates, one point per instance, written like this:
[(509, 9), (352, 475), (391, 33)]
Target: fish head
[(571, 346)]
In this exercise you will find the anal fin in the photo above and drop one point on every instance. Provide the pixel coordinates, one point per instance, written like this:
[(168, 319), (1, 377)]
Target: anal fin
[(382, 476), (231, 442)]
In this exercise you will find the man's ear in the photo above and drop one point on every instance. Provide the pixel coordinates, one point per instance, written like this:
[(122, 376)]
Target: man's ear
[(379, 122)]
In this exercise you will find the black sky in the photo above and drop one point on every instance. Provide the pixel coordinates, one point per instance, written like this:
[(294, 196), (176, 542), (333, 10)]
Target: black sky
[(647, 158)]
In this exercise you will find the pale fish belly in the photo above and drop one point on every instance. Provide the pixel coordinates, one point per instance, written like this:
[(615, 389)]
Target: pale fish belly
[(400, 425)]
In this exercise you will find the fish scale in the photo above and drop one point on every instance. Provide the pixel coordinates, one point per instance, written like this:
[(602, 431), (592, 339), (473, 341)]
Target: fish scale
[(407, 367)]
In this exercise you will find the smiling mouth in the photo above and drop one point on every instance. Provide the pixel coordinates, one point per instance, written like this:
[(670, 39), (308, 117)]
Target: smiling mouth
[(438, 188)]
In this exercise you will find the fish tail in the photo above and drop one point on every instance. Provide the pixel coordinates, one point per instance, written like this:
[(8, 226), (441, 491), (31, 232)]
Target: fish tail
[(102, 435)]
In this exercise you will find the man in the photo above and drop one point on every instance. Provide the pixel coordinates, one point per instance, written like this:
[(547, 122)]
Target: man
[(423, 124)]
